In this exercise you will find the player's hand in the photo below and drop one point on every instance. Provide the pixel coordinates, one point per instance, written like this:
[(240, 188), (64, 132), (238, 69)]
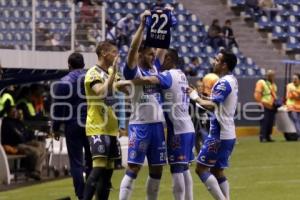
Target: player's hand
[(143, 16), (190, 89), (170, 8), (114, 66)]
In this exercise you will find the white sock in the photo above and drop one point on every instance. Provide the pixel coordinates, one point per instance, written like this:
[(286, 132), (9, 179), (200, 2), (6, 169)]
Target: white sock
[(214, 188), (188, 181), (126, 187), (152, 186), (178, 186), (225, 188)]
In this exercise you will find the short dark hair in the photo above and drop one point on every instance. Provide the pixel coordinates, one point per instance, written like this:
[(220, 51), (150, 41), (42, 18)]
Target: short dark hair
[(76, 61), (227, 21), (298, 75), (229, 58), (104, 46), (174, 55)]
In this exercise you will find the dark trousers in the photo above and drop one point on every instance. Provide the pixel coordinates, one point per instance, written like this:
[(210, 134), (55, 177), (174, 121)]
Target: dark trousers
[(266, 124), (295, 117), (77, 142)]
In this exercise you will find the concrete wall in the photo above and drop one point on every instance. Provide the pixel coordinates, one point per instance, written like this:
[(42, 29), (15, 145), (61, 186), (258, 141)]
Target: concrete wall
[(40, 59)]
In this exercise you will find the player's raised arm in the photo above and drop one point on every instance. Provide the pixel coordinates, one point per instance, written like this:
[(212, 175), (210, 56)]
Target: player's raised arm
[(136, 41), (107, 86), (160, 55)]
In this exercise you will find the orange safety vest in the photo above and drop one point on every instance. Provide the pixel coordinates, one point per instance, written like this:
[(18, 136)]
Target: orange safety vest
[(265, 93), (293, 97)]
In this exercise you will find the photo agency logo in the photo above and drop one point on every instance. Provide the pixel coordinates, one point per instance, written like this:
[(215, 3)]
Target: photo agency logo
[(121, 103)]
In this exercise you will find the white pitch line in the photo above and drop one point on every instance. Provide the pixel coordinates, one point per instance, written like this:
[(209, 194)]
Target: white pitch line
[(279, 181), (262, 167)]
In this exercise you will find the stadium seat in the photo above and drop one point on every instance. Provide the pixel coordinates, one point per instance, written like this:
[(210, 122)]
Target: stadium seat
[(293, 31), (279, 21), (279, 33), (292, 44), (264, 23)]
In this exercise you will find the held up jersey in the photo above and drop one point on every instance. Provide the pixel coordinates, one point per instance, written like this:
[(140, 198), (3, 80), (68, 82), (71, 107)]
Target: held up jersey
[(159, 29)]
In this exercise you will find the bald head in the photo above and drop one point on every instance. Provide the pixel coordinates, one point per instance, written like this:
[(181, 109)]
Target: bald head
[(270, 75)]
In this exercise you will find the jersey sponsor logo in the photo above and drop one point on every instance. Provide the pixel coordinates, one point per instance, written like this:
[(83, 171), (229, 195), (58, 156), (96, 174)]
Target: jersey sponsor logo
[(101, 148), (212, 161), (175, 144), (96, 138), (171, 158), (202, 158), (213, 146), (143, 146), (132, 139), (181, 157)]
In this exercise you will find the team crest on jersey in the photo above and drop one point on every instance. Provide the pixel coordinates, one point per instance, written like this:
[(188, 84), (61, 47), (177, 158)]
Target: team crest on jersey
[(101, 148), (132, 155)]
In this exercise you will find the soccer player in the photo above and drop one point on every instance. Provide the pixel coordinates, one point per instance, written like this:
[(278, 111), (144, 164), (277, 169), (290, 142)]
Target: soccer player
[(101, 124), (180, 127), (218, 146), (146, 132), (75, 133)]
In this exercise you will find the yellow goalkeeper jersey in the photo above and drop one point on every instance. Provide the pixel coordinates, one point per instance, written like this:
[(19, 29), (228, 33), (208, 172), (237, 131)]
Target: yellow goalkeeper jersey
[(101, 118)]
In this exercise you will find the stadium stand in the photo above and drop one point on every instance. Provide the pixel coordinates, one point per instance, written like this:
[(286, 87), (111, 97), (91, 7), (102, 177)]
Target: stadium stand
[(283, 26), (53, 28)]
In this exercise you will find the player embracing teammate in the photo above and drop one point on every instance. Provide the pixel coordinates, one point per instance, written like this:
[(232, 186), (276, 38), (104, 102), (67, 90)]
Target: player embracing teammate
[(149, 87)]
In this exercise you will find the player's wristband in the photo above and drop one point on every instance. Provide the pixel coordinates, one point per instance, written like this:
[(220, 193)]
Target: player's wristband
[(194, 95)]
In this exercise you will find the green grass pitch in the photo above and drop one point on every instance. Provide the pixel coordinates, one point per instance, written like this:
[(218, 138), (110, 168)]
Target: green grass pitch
[(268, 171)]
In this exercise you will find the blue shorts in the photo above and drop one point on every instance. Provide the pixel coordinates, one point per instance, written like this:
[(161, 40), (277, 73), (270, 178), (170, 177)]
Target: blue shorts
[(180, 148), (216, 152), (147, 140)]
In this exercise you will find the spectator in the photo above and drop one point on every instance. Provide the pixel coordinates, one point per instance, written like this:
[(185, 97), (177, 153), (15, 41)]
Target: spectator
[(265, 4), (25, 104), (268, 7), (124, 30), (193, 67), (16, 136), (37, 99), (266, 94), (7, 100), (228, 35), (252, 8), (93, 36), (199, 118), (293, 101), (215, 35)]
